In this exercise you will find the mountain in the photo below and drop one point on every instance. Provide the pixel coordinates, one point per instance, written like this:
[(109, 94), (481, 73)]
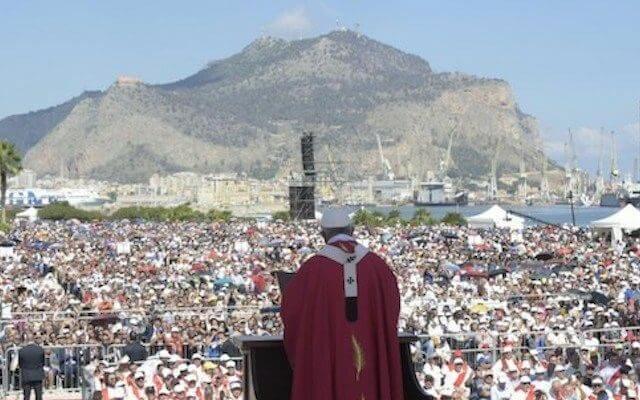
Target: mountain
[(245, 114)]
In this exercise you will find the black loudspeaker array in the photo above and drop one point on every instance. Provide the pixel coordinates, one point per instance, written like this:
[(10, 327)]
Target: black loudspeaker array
[(308, 158), (302, 194)]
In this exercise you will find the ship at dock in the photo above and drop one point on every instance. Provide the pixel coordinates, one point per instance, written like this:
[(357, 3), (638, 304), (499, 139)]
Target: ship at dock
[(439, 193), (618, 193), (627, 194)]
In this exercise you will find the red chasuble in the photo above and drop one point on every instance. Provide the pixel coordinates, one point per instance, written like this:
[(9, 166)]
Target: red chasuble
[(333, 358)]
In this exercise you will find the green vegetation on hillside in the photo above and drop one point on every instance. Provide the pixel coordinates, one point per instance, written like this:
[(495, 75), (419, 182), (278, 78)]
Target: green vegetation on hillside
[(184, 213), (10, 164), (65, 211), (281, 216), (421, 217), (453, 218)]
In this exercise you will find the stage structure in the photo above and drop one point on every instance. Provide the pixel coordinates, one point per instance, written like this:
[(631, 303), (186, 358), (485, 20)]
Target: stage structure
[(268, 375)]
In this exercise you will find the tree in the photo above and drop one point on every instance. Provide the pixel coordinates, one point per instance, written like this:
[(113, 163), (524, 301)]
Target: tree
[(422, 217), (284, 216), (63, 212), (10, 164), (369, 218), (219, 215), (393, 218), (454, 218)]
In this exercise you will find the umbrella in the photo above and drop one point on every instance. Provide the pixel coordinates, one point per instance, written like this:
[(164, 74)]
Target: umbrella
[(223, 281), (599, 298), (479, 308), (497, 271), (541, 273), (544, 256), (563, 268), (104, 320), (452, 267), (527, 265)]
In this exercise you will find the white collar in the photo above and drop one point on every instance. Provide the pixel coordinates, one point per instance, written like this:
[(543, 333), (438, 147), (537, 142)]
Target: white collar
[(341, 237)]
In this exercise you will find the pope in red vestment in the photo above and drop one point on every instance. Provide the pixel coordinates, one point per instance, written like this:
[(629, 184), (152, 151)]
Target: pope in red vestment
[(340, 314)]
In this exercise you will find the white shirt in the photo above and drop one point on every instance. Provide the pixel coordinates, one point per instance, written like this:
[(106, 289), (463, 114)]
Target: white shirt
[(543, 385), (497, 394), (435, 372)]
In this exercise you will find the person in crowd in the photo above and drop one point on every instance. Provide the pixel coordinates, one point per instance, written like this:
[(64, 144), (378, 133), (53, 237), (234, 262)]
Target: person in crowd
[(524, 390), (187, 290), (501, 391), (31, 362), (135, 350), (459, 377), (340, 312)]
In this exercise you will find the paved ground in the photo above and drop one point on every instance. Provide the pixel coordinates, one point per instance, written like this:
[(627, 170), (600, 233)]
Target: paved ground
[(47, 395)]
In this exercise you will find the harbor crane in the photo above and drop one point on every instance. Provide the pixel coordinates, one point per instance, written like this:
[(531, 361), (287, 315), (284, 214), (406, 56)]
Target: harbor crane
[(386, 165), (599, 183), (493, 178), (545, 194), (522, 179), (615, 173), (571, 168), (446, 161), (337, 184)]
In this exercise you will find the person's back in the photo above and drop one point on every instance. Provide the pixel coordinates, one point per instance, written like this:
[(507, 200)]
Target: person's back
[(341, 330), (31, 363), (135, 350)]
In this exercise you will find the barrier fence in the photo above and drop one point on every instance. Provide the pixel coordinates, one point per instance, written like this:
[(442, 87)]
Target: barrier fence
[(114, 352), (20, 316), (63, 368), (66, 372), (474, 356), (64, 364), (616, 334)]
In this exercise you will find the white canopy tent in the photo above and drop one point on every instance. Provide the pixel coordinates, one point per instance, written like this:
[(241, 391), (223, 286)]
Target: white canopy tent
[(496, 217), (627, 219), (624, 220), (30, 214)]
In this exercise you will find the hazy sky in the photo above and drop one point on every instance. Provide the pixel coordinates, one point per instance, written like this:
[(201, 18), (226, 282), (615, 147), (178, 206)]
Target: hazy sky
[(571, 63)]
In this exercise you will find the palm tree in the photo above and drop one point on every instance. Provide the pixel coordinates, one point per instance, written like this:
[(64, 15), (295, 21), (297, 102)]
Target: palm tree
[(10, 164)]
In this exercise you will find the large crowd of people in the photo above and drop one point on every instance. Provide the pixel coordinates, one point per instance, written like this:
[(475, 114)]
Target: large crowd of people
[(543, 313)]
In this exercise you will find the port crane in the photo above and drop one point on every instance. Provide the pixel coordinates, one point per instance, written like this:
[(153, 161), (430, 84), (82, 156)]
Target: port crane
[(337, 184), (614, 159), (599, 183), (386, 165), (544, 182), (493, 178), (522, 178), (446, 161)]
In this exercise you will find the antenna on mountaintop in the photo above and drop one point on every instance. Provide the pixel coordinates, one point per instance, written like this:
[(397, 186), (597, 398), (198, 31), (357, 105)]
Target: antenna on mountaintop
[(357, 29), (338, 27)]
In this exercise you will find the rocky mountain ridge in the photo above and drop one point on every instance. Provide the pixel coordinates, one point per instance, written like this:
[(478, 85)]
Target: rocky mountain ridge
[(245, 114)]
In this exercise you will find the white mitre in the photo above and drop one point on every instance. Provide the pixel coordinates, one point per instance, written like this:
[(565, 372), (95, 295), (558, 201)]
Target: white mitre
[(335, 217)]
